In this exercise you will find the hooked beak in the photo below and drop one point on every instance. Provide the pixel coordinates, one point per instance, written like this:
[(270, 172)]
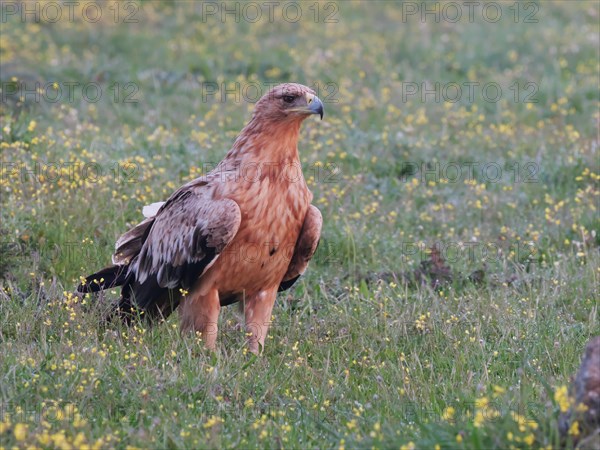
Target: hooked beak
[(315, 105)]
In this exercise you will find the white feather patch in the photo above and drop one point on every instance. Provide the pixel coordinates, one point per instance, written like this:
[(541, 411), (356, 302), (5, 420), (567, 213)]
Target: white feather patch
[(152, 209)]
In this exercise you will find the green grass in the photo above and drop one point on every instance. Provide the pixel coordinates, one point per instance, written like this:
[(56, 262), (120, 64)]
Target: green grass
[(359, 354)]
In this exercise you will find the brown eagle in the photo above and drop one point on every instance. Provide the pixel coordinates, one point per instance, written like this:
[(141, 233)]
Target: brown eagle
[(240, 233)]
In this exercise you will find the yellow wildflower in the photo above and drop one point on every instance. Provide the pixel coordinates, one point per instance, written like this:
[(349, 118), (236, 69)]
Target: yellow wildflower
[(574, 429), (561, 396), (448, 414), (20, 431)]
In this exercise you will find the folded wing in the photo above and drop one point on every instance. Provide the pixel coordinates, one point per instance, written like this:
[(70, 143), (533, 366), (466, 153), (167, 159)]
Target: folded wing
[(305, 248), (186, 237)]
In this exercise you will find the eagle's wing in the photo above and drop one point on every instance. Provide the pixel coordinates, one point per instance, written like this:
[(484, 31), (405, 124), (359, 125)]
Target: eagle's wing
[(305, 248), (184, 239), (130, 243)]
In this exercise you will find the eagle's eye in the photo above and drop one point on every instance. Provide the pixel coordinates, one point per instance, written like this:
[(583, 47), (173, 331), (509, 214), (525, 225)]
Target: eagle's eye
[(288, 98)]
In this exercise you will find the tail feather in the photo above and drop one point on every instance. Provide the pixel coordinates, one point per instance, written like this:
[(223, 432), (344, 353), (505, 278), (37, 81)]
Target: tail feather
[(148, 299), (106, 278)]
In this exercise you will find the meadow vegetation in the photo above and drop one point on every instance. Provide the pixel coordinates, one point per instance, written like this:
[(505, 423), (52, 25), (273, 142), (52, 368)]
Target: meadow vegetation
[(456, 283)]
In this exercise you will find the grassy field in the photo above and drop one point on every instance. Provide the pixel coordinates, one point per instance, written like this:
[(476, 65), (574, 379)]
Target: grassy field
[(476, 137)]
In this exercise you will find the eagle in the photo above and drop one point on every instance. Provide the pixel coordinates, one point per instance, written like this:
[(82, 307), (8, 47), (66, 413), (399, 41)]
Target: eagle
[(241, 233)]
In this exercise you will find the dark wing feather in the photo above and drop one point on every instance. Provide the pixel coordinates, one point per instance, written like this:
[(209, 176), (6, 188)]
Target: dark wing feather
[(127, 247), (187, 235), (130, 243), (285, 285), (305, 247)]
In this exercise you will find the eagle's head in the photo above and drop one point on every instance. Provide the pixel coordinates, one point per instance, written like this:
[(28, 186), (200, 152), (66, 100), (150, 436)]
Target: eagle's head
[(288, 102)]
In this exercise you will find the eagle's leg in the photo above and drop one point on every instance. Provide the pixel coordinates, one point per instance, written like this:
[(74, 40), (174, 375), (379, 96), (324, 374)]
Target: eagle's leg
[(257, 311), (201, 313)]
